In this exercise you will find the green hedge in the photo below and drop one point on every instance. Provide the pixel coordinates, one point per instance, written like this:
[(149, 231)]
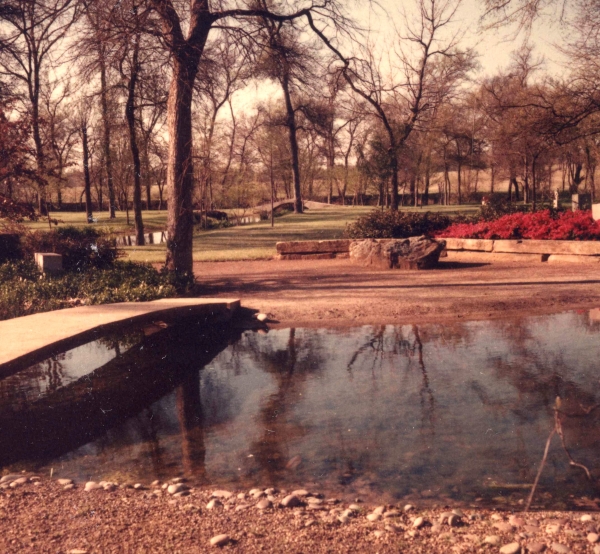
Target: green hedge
[(387, 224)]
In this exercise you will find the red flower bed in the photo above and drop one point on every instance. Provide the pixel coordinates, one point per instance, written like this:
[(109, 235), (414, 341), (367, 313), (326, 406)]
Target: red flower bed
[(538, 225)]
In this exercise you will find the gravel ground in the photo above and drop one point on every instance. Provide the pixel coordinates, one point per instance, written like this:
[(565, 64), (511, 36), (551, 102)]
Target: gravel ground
[(47, 516)]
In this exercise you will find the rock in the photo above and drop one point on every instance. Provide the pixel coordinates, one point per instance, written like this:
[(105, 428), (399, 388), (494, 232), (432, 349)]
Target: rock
[(597, 549), (155, 483), (379, 533), (586, 517), (300, 493), (181, 493), (178, 487), (91, 486), (177, 480), (515, 521), (395, 528), (19, 481), (262, 317), (535, 547), (410, 253), (494, 540), (436, 528), (379, 510), (69, 487), (77, 551), (241, 496), (9, 478), (418, 522), (315, 501), (503, 527), (256, 493), (560, 548), (139, 487), (552, 528), (64, 482), (354, 507), (391, 513), (271, 490), (222, 494), (531, 528), (454, 520), (220, 540), (291, 501), (264, 504), (214, 503), (496, 517), (242, 507), (593, 537), (458, 513), (373, 517), (408, 507), (511, 548), (343, 519)]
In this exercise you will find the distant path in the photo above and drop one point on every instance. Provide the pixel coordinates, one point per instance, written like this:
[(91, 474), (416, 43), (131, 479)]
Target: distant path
[(31, 336), (336, 292), (309, 204)]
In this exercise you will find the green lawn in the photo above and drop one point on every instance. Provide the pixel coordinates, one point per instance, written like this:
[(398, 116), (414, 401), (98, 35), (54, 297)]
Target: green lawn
[(247, 242), (153, 220)]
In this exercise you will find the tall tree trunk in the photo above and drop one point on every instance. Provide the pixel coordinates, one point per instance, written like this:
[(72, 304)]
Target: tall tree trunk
[(180, 173), (86, 173), (34, 95), (291, 125), (135, 152), (106, 135)]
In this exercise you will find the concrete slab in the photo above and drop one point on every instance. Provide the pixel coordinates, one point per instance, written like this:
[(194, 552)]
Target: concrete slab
[(29, 337), (483, 245), (566, 247), (313, 246)]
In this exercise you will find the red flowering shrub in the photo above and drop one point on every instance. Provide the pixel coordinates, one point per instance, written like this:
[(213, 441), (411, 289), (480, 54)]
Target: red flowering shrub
[(537, 225)]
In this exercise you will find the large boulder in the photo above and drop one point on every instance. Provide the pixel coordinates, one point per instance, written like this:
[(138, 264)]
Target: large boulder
[(411, 253)]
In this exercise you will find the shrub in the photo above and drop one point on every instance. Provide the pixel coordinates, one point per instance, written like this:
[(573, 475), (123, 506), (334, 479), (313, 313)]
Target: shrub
[(24, 290), (387, 224), (80, 248), (545, 225)]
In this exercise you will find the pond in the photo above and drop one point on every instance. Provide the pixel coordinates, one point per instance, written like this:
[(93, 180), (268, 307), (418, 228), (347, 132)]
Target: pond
[(452, 413)]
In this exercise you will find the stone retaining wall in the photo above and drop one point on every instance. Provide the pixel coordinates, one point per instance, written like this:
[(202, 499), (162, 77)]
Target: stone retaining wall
[(483, 249)]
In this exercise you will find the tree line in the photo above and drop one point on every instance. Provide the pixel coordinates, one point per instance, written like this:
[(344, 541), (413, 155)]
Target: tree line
[(126, 100)]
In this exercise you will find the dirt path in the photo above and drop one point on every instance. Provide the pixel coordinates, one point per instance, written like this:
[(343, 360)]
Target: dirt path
[(338, 293)]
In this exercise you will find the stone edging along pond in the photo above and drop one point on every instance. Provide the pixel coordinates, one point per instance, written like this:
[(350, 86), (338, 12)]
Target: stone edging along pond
[(485, 250)]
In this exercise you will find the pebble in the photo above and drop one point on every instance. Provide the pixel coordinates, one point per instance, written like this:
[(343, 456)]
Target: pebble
[(511, 548), (436, 528), (300, 492), (264, 504), (419, 522), (379, 510), (91, 486), (177, 480), (354, 507), (178, 487), (181, 493), (394, 528), (256, 493), (242, 496), (155, 483), (214, 503), (408, 507), (516, 521), (343, 519), (503, 527), (262, 317), (241, 507), (139, 487), (220, 540), (597, 549), (535, 547), (222, 494), (458, 513), (291, 501), (454, 520), (379, 533), (374, 517), (552, 528), (19, 481), (586, 517), (496, 517), (531, 528), (593, 537), (560, 548), (69, 487), (8, 478), (64, 482), (77, 551), (271, 490), (391, 513), (494, 540)]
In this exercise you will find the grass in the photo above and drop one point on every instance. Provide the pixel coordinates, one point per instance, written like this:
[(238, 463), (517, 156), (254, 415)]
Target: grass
[(247, 242), (153, 221)]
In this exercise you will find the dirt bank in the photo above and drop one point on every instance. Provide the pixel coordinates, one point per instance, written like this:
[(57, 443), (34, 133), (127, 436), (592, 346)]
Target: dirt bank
[(336, 292)]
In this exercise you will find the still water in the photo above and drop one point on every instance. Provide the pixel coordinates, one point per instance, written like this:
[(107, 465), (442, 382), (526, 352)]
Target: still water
[(459, 411)]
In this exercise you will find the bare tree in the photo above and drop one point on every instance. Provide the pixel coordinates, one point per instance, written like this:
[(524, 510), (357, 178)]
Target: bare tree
[(429, 64), (32, 31)]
